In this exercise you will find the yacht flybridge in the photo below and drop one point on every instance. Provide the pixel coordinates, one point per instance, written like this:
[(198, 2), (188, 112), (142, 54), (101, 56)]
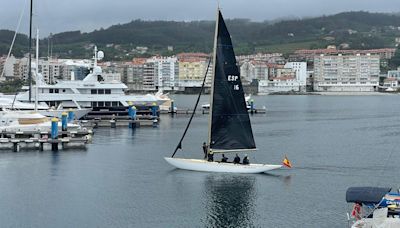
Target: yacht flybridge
[(91, 92)]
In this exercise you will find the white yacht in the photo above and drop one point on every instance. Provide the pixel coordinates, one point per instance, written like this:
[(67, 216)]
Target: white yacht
[(27, 121), (91, 92), (165, 101), (8, 102)]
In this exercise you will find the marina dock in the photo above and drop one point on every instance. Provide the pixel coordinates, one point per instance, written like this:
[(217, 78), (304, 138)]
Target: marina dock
[(207, 111), (39, 140)]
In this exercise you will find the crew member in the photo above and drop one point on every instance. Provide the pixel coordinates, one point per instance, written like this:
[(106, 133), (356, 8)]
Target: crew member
[(224, 159), (246, 160), (205, 150), (236, 160), (210, 156)]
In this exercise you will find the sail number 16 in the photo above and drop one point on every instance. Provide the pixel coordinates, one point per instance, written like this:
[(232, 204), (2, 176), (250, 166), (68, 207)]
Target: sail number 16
[(233, 78)]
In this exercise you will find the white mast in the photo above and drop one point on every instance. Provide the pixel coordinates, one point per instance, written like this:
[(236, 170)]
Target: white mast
[(212, 77), (37, 70), (95, 57)]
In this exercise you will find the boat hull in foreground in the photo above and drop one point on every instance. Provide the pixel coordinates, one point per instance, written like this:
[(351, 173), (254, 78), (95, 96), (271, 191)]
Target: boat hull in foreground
[(205, 166)]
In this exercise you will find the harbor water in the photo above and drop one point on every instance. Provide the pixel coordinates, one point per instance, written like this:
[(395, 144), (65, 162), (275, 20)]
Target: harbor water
[(122, 180)]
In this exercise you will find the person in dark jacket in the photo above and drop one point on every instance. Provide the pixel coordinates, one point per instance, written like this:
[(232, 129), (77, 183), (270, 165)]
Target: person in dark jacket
[(205, 150), (236, 160), (246, 160), (224, 159), (210, 156)]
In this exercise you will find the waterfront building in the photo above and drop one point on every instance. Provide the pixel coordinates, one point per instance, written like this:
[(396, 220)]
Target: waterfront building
[(253, 70), (394, 73), (391, 82), (308, 54), (277, 58), (7, 67), (132, 74), (284, 78), (165, 72), (350, 73), (300, 69), (278, 84), (149, 76), (192, 71)]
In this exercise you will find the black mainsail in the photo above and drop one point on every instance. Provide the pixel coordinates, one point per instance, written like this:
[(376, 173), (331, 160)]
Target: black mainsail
[(230, 127)]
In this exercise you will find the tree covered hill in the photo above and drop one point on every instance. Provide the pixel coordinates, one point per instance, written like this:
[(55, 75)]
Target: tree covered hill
[(359, 30)]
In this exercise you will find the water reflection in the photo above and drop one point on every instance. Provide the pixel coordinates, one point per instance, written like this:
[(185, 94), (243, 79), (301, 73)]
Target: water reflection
[(230, 200)]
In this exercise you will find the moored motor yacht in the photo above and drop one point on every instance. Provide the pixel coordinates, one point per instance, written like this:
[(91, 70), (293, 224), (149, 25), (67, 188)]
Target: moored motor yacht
[(12, 121), (90, 93)]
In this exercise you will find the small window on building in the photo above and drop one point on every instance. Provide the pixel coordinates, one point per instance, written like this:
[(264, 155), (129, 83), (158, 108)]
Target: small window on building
[(56, 91), (115, 103), (63, 90), (94, 104), (100, 91), (108, 91), (100, 104), (107, 104), (93, 91), (51, 91)]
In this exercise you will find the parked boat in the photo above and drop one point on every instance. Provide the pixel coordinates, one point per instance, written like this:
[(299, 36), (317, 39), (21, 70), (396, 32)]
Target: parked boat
[(247, 98), (164, 100), (6, 102), (373, 207), (13, 121), (229, 121), (90, 93)]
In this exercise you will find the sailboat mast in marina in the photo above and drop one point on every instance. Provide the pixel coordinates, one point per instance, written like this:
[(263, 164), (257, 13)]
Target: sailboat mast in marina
[(229, 127)]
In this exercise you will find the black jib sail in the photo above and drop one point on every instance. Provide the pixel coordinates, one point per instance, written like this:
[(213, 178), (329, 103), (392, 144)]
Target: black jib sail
[(230, 123)]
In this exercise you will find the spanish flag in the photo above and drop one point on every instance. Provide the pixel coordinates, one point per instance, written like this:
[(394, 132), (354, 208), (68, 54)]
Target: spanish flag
[(286, 162)]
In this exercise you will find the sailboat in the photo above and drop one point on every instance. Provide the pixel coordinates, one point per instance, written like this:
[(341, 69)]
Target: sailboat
[(229, 123)]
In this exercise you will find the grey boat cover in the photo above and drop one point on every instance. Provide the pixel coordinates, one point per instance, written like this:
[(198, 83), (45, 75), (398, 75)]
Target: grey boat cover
[(366, 194)]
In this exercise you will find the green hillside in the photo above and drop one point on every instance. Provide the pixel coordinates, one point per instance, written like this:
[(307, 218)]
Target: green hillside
[(360, 30)]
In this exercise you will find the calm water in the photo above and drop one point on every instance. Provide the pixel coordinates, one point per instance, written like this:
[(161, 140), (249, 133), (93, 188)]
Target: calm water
[(121, 180)]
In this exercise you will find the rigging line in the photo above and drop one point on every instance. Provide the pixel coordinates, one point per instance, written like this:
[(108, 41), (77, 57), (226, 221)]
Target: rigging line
[(179, 146), (15, 36)]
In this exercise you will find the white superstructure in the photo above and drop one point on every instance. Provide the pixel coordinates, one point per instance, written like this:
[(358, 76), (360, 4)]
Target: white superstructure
[(91, 92)]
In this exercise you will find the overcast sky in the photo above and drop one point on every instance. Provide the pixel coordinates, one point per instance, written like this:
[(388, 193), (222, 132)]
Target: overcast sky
[(86, 15)]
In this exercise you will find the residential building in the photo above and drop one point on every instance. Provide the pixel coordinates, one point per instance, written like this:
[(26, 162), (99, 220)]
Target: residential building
[(253, 70), (300, 68), (7, 67), (308, 54), (278, 84), (351, 73), (166, 72), (149, 76)]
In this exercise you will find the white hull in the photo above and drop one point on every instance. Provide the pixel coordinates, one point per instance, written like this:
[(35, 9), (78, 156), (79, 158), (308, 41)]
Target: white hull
[(205, 166), (79, 113)]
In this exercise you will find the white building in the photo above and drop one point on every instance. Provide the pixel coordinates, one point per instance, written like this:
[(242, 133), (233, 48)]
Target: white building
[(8, 68), (350, 73), (394, 73), (251, 70), (166, 72), (278, 85), (301, 71)]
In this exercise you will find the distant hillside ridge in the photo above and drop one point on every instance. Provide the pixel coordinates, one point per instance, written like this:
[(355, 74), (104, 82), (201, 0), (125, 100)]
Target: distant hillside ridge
[(353, 30)]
